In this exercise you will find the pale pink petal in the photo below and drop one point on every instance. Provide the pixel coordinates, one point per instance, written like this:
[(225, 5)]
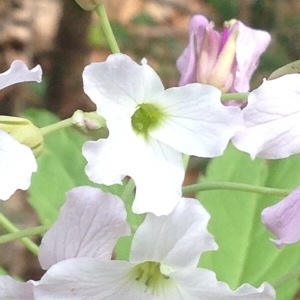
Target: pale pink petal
[(17, 163), (202, 284), (89, 225), (19, 72), (119, 84), (176, 240), (250, 45), (283, 219), (156, 168), (187, 62), (15, 290), (272, 119), (200, 125)]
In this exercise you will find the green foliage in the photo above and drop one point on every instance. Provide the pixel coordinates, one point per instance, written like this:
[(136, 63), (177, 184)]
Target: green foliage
[(60, 168), (246, 253)]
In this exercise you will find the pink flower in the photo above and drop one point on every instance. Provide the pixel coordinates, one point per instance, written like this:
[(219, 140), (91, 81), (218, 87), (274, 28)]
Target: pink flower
[(226, 60), (283, 219)]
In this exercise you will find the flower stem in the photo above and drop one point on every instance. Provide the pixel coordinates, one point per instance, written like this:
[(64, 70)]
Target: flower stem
[(56, 126), (234, 96), (242, 187), (10, 237), (10, 227), (107, 29)]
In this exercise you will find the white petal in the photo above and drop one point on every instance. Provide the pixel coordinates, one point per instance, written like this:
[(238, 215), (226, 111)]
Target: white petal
[(19, 72), (156, 168), (197, 123), (88, 278), (117, 85), (202, 284), (272, 119), (176, 240), (11, 289), (89, 225), (17, 163)]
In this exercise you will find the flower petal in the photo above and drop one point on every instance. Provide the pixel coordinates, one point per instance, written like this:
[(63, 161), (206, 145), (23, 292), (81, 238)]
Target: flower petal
[(119, 84), (15, 290), (17, 163), (19, 72), (156, 168), (176, 240), (89, 225), (187, 62), (200, 125), (203, 284), (283, 219), (250, 45), (89, 278), (272, 119)]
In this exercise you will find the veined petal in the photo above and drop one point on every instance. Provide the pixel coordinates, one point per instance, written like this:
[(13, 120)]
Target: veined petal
[(19, 72), (176, 240), (17, 163), (156, 168), (202, 284), (283, 219), (119, 84), (89, 225), (272, 119), (197, 123), (187, 62), (250, 45), (88, 278), (15, 290)]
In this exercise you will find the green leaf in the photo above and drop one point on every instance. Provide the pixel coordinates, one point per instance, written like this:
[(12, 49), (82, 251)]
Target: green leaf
[(60, 168), (246, 253)]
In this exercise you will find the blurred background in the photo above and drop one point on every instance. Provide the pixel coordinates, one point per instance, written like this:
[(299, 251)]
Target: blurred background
[(63, 39)]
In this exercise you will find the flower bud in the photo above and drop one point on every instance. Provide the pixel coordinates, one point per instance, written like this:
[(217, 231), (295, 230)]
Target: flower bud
[(24, 132)]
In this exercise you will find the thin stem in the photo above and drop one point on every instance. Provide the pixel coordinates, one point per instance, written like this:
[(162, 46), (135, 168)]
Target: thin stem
[(242, 187), (110, 37), (234, 96), (56, 126), (10, 237), (10, 227)]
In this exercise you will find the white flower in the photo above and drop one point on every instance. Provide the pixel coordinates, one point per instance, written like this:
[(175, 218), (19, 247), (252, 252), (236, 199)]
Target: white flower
[(272, 119), (150, 127), (163, 262), (17, 162)]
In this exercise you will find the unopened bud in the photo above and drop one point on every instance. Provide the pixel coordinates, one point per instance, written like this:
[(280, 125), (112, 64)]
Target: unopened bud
[(24, 132)]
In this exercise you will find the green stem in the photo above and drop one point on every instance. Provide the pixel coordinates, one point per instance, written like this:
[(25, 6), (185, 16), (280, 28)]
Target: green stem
[(10, 237), (10, 227), (234, 96), (56, 126), (242, 187), (110, 37)]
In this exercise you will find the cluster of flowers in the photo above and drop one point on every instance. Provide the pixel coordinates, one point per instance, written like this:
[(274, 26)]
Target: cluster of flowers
[(149, 130)]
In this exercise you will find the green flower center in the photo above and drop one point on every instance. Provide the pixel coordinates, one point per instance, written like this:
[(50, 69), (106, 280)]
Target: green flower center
[(149, 274), (147, 116)]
